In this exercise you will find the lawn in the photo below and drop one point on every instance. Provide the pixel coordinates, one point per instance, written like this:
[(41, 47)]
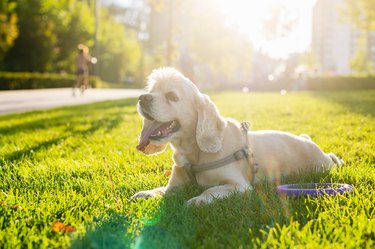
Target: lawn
[(67, 176)]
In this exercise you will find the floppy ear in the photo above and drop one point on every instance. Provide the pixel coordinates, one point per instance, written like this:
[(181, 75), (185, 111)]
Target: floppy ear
[(210, 125)]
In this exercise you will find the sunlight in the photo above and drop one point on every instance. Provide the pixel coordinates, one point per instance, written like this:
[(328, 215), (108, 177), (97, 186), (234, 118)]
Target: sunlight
[(249, 17)]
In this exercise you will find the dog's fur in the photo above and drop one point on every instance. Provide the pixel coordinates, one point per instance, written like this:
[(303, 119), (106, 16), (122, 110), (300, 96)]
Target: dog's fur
[(205, 136)]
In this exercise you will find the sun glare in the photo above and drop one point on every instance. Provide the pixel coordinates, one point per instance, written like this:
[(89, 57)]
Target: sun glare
[(249, 15)]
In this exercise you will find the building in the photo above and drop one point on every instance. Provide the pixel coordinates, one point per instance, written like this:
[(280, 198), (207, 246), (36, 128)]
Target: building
[(333, 42)]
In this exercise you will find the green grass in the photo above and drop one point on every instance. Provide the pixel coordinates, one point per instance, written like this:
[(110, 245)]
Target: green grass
[(51, 164)]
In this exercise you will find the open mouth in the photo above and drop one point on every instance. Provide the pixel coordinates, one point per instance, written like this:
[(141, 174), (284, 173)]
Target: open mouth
[(165, 130), (157, 131)]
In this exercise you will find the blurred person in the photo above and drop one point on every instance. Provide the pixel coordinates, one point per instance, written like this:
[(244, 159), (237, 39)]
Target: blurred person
[(83, 61)]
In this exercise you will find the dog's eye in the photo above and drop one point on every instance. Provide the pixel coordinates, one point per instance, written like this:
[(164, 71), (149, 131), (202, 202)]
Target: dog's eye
[(171, 96)]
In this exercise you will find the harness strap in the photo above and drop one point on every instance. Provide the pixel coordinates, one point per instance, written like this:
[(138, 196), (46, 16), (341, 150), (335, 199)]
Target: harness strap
[(245, 126), (189, 171), (238, 155), (243, 153)]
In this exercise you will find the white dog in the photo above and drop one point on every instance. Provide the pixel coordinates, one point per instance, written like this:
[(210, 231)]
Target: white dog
[(210, 150)]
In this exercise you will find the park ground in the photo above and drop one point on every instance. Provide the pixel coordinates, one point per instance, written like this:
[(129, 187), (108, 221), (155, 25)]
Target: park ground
[(67, 175)]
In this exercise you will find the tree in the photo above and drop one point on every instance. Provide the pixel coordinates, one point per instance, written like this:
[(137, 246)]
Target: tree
[(49, 34), (76, 25), (51, 30), (360, 62), (221, 49), (8, 26), (162, 29), (33, 50), (361, 15), (119, 50), (195, 35)]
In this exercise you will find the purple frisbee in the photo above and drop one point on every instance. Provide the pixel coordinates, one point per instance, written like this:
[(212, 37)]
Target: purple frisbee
[(313, 189)]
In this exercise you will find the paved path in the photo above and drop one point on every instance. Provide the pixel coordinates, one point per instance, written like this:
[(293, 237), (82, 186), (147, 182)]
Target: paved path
[(28, 100)]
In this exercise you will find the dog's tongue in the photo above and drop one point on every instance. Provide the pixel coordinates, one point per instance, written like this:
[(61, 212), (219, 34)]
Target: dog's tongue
[(154, 127)]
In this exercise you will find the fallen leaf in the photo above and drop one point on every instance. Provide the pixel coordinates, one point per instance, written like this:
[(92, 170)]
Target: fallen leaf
[(167, 172), (60, 227), (57, 227)]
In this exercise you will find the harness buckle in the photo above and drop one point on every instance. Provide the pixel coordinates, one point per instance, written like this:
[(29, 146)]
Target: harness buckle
[(238, 155), (189, 171)]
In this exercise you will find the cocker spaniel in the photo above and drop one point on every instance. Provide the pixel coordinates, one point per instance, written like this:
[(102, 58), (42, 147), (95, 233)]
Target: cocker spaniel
[(212, 151)]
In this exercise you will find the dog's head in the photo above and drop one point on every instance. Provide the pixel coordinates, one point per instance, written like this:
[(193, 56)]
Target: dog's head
[(174, 110)]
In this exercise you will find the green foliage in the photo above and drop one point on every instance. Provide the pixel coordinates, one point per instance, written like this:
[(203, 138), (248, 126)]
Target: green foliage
[(25, 80), (359, 13), (119, 50), (51, 164), (224, 49), (158, 28), (197, 29), (34, 48), (8, 26), (76, 25), (49, 32), (360, 62), (341, 83)]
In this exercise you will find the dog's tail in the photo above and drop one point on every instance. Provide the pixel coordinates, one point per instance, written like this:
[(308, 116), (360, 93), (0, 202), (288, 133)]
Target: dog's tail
[(336, 159)]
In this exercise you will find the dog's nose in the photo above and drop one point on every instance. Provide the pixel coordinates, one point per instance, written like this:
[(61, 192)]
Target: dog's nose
[(145, 99)]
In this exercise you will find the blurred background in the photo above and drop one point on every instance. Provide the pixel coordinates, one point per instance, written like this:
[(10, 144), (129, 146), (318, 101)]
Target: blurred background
[(218, 44)]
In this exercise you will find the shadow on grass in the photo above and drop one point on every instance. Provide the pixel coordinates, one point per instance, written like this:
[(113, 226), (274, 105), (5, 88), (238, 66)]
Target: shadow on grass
[(108, 231), (28, 152), (362, 102), (42, 123), (242, 219), (111, 231), (107, 124), (71, 120)]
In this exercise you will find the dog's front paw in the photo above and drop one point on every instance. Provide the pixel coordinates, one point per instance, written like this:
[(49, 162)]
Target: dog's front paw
[(199, 200), (144, 194)]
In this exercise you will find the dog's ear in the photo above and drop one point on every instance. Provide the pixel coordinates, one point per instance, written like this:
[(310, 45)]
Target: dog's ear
[(210, 125)]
